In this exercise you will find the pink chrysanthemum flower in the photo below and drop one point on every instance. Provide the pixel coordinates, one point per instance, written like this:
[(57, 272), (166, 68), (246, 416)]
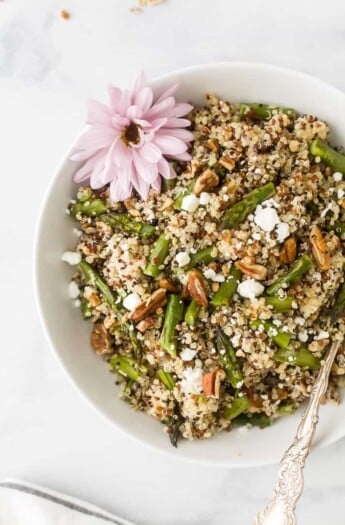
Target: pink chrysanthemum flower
[(128, 143)]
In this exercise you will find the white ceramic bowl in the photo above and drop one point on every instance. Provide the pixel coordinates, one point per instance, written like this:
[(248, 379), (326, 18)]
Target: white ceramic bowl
[(69, 334)]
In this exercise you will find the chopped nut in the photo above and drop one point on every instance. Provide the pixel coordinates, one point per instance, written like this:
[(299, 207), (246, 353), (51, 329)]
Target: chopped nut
[(197, 287), (94, 300), (227, 162), (65, 15), (319, 249), (248, 266), (289, 251), (100, 339), (167, 204), (333, 242), (294, 146), (169, 285), (215, 287), (206, 181), (149, 322), (150, 305), (318, 345), (213, 145), (211, 382)]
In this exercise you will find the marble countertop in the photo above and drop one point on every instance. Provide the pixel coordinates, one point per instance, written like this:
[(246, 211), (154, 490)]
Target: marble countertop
[(48, 68)]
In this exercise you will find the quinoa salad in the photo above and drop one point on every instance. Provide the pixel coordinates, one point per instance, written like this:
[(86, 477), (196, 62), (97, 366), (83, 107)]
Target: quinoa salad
[(213, 301)]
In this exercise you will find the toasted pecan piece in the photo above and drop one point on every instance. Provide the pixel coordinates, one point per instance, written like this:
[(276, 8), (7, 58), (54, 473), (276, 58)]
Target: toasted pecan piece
[(206, 181), (197, 287), (320, 249), (150, 305), (249, 267), (211, 382), (289, 251), (100, 339), (169, 285)]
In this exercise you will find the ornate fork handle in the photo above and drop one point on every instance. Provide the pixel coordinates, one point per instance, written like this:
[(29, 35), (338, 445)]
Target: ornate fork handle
[(289, 486)]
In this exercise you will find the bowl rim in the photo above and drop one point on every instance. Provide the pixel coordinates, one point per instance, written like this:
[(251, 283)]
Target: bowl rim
[(183, 457)]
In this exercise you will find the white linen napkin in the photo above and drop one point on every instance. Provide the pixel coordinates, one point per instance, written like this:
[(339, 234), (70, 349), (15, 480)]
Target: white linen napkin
[(27, 504)]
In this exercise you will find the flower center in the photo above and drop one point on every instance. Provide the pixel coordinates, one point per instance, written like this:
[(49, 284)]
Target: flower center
[(131, 134)]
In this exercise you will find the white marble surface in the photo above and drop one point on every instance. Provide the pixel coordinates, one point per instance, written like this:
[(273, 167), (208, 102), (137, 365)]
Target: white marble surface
[(48, 68)]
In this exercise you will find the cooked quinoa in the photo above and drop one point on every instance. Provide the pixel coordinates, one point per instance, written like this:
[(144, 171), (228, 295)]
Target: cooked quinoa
[(228, 354)]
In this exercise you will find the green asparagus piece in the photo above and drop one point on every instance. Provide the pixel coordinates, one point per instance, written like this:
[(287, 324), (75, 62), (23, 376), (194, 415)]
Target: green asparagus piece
[(92, 276), (127, 367), (84, 194), (227, 289), (302, 357), (187, 191), (338, 309), (192, 313), (328, 155), (281, 339), (121, 221), (204, 256), (229, 359), (85, 308), (264, 111), (281, 305), (338, 228), (287, 408), (294, 275), (256, 420), (168, 183), (166, 379), (89, 208), (157, 256), (173, 316), (238, 213), (238, 405)]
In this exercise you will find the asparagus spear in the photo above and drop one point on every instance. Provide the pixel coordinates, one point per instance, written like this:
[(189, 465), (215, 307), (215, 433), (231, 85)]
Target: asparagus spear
[(238, 405), (173, 316), (157, 256), (91, 275), (227, 289), (121, 221), (294, 275), (228, 359), (89, 208), (302, 357), (166, 379), (256, 420), (204, 256), (192, 313), (264, 111), (338, 309), (338, 228), (85, 308), (287, 408), (127, 367), (282, 339), (280, 304), (328, 155), (168, 183), (240, 211)]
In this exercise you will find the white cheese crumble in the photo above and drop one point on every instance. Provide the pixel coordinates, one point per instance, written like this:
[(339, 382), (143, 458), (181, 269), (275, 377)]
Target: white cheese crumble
[(321, 335), (283, 231), (73, 290), (190, 203), (213, 276), (236, 340), (250, 288), (77, 232), (204, 198), (72, 258), (187, 354), (182, 259), (77, 303), (326, 210), (266, 218), (299, 320), (303, 337), (337, 176), (131, 301), (256, 236), (340, 193), (192, 380)]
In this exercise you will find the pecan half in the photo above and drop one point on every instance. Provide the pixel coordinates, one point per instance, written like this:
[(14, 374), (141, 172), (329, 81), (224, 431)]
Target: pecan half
[(197, 287), (150, 305), (227, 162), (319, 249), (167, 284), (147, 323), (289, 251), (206, 181), (211, 382), (100, 339), (249, 267)]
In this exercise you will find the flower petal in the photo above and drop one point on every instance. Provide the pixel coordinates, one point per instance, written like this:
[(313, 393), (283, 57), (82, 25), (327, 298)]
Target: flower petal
[(119, 122), (182, 134), (182, 156), (84, 171), (161, 109), (122, 154), (98, 113), (121, 187), (166, 169), (115, 95), (179, 110), (133, 113), (139, 84), (125, 101), (170, 145), (144, 99), (150, 152), (157, 184), (167, 93), (146, 170), (141, 186), (95, 138), (174, 122)]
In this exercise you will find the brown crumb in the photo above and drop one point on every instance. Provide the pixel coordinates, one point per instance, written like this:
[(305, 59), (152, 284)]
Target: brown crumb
[(65, 15), (136, 10), (145, 3)]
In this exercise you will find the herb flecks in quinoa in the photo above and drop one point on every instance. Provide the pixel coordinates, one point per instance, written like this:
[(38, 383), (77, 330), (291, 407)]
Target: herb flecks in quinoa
[(235, 303)]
